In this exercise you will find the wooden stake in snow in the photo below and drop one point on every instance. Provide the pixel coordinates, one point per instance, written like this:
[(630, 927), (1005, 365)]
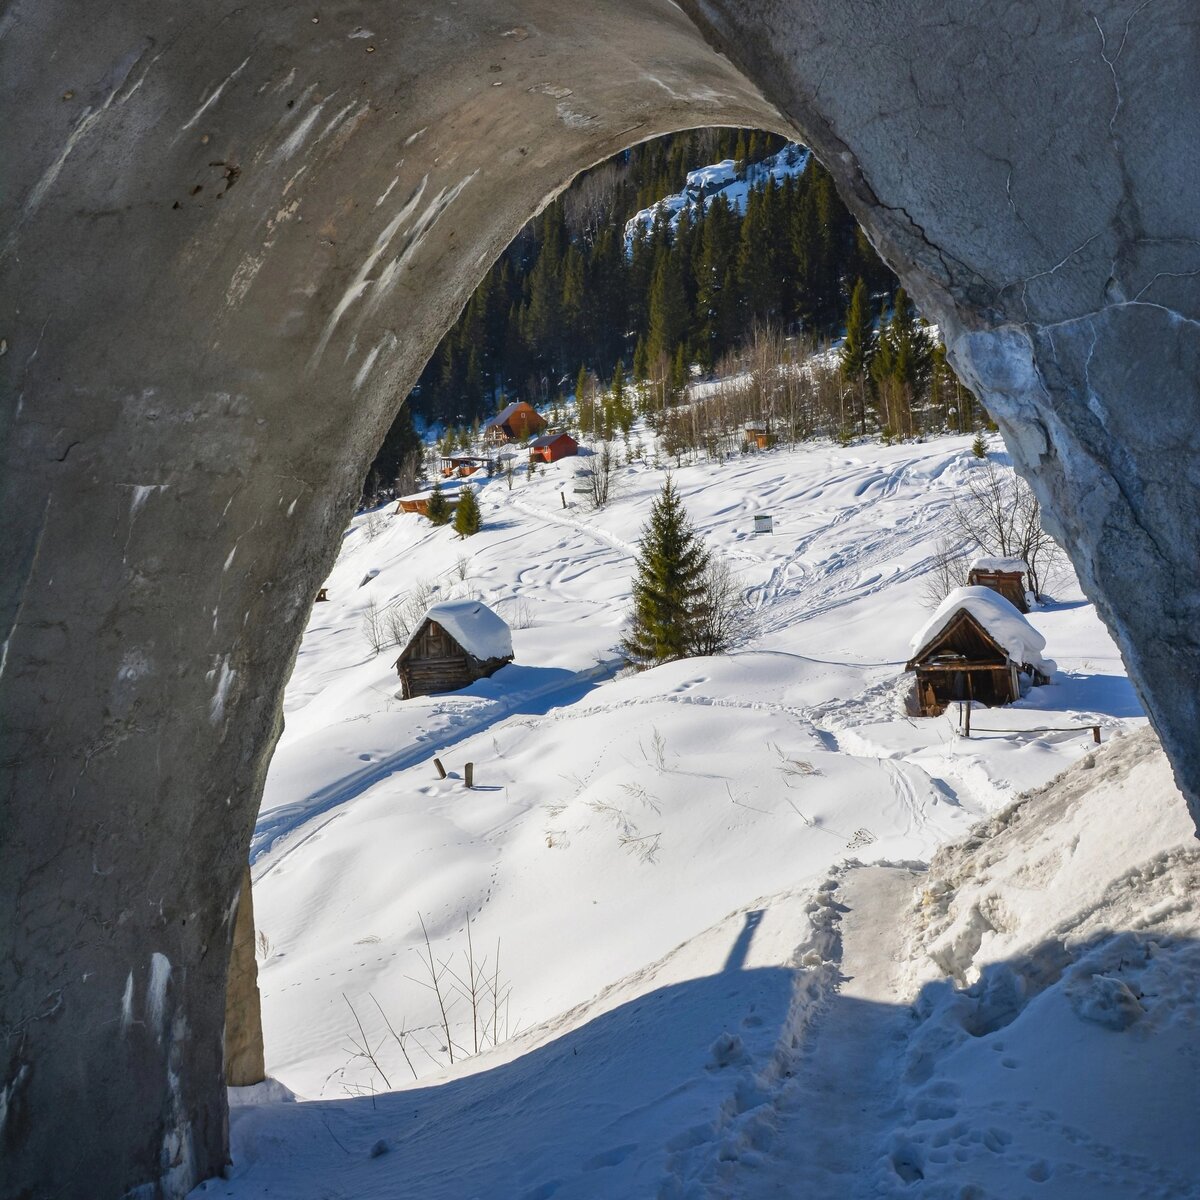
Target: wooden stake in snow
[(469, 774), (437, 762)]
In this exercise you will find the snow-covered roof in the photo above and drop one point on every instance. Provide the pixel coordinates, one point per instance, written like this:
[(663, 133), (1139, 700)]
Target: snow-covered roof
[(1004, 622), (987, 562), (474, 626), (548, 439)]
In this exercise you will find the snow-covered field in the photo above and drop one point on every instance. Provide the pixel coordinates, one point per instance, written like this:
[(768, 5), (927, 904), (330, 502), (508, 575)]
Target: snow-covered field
[(699, 996)]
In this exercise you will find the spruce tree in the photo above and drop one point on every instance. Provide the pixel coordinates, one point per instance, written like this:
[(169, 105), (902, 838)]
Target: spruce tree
[(438, 509), (467, 518), (857, 350), (668, 589)]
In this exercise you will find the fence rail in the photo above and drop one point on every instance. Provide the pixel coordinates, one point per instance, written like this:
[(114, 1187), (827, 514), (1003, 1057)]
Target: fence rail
[(964, 725)]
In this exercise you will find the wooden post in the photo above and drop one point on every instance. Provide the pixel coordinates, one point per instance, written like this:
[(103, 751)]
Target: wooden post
[(967, 714), (437, 762), (1096, 734), (563, 497), (469, 774)]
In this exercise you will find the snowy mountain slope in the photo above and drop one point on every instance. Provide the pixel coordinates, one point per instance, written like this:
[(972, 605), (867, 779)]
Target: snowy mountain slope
[(614, 820), (805, 1045)]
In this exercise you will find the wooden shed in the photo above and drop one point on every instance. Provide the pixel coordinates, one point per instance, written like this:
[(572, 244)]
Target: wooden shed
[(550, 447), (1003, 575), (456, 643), (463, 465), (756, 433), (976, 646), (514, 423)]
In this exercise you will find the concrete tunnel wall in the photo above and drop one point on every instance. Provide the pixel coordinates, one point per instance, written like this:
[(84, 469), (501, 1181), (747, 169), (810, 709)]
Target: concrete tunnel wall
[(232, 237)]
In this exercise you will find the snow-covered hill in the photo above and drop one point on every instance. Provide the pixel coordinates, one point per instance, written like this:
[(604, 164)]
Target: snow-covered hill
[(647, 854)]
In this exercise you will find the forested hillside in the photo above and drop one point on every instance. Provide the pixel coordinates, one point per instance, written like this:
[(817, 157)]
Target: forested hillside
[(577, 296)]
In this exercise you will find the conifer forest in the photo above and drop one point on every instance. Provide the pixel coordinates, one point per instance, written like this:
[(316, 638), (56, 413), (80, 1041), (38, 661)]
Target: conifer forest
[(585, 302)]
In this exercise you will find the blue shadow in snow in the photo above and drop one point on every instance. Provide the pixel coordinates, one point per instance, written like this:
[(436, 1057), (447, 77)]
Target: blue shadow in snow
[(645, 1098), (741, 946), (515, 690)]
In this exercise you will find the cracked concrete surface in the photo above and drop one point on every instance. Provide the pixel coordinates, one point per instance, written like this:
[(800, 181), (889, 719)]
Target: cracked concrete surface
[(231, 237)]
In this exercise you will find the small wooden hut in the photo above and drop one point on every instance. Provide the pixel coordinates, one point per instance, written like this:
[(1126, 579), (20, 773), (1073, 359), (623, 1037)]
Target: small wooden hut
[(463, 465), (456, 643), (514, 423), (550, 447), (756, 433), (1003, 575), (976, 646)]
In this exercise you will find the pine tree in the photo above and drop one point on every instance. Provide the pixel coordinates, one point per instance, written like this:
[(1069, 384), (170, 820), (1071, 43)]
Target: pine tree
[(857, 350), (467, 518), (668, 310), (438, 510), (668, 590)]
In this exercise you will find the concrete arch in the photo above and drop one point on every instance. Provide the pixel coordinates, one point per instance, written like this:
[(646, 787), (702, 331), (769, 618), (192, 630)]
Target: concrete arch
[(231, 238)]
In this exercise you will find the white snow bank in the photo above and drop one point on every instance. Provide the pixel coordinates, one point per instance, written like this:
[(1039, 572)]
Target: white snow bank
[(1000, 617), (475, 627), (988, 562), (1061, 1050)]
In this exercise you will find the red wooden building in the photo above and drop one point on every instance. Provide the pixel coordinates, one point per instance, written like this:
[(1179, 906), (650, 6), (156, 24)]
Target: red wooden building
[(550, 447)]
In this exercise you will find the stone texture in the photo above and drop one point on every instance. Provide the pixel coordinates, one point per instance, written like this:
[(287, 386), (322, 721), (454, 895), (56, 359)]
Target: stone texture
[(244, 1065), (230, 237)]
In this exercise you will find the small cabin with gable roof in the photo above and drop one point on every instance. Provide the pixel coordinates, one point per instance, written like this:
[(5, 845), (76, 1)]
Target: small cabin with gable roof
[(976, 646), (456, 643), (550, 447), (514, 423), (1003, 575)]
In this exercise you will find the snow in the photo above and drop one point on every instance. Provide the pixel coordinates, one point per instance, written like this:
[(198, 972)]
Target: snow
[(705, 183), (989, 562), (753, 937), (474, 626), (998, 615)]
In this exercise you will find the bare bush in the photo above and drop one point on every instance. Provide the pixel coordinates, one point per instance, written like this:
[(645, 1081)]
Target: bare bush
[(948, 570), (1001, 516), (722, 609), (374, 525), (599, 474), (373, 626)]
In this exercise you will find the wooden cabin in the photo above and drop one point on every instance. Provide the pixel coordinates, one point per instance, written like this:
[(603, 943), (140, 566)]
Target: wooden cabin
[(414, 504), (456, 643), (1003, 575), (975, 647), (550, 447), (756, 433), (514, 423)]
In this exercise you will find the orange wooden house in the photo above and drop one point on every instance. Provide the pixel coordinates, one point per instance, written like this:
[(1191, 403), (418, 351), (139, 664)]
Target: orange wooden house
[(550, 447), (514, 423)]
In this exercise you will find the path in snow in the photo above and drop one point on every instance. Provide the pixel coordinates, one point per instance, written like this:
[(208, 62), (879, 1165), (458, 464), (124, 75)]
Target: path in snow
[(833, 1110)]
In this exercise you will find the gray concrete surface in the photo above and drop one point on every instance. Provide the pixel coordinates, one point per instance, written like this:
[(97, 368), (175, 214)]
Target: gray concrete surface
[(230, 237)]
